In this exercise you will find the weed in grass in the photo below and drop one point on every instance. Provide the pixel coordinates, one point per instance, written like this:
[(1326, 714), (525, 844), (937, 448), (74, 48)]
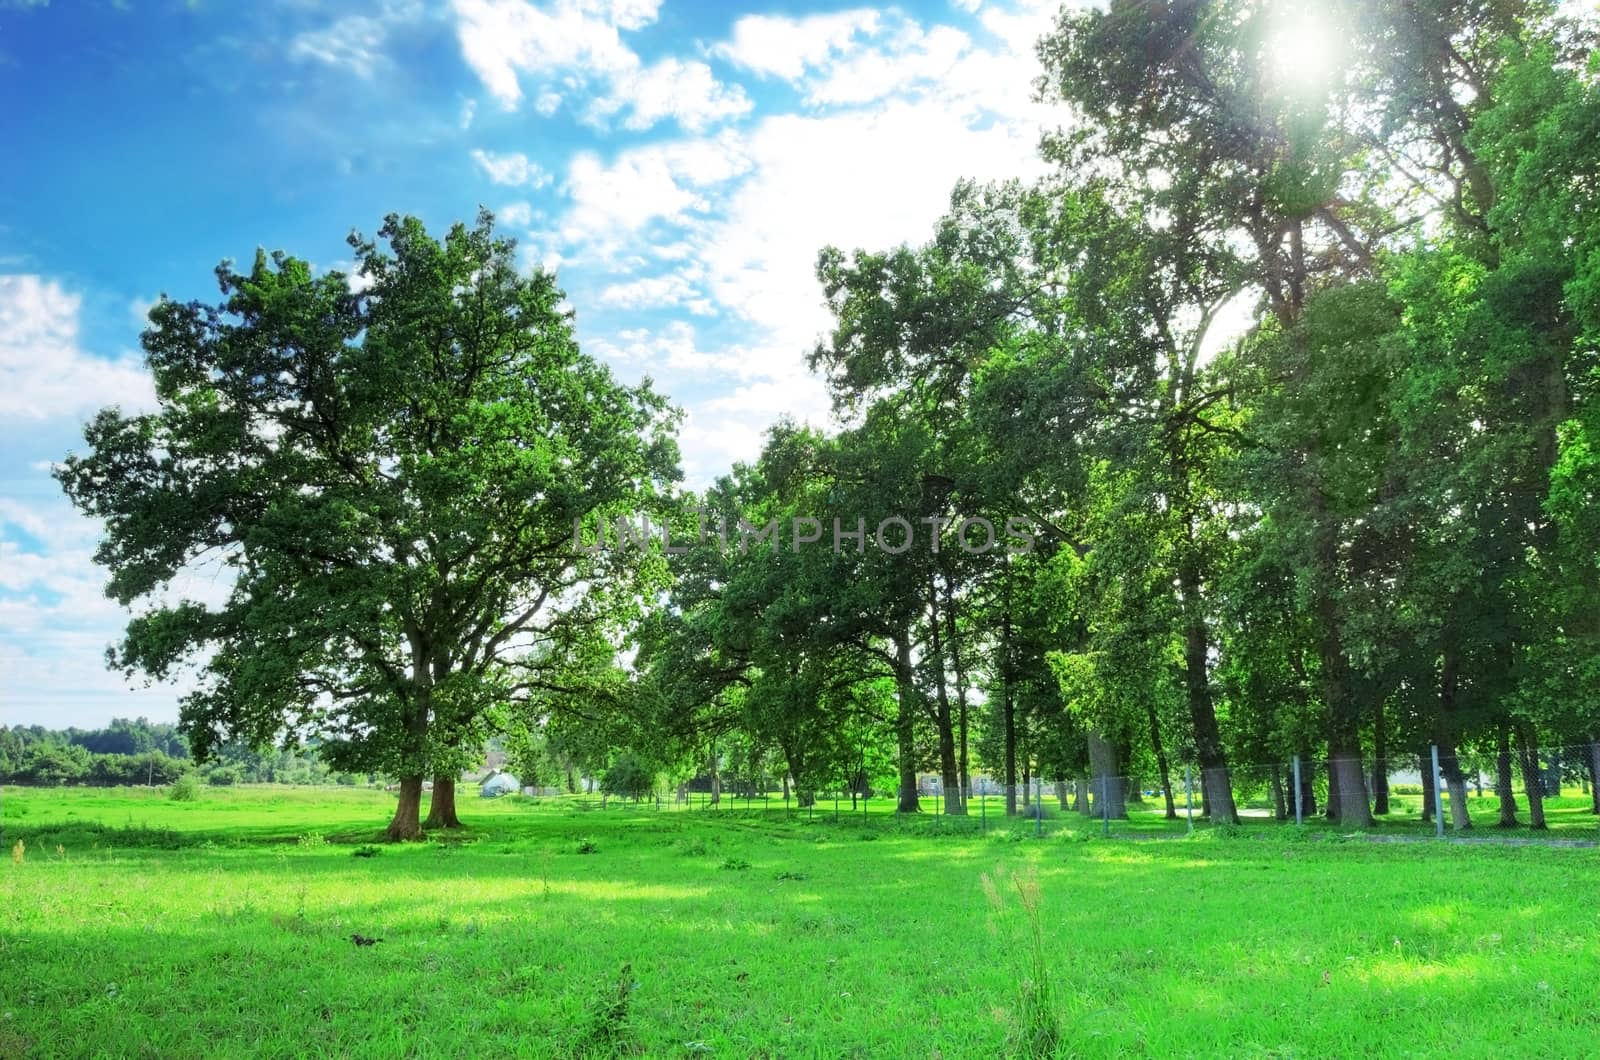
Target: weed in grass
[(1038, 1031), (19, 851), (588, 846), (605, 1030), (311, 840), (366, 850), (787, 875), (184, 789), (735, 864)]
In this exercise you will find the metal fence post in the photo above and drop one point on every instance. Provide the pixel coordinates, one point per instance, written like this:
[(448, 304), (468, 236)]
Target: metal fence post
[(1438, 803), (1299, 806), (1188, 796), (1105, 803)]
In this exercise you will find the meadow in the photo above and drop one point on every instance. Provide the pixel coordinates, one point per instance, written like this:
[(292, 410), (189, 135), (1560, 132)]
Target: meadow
[(134, 925)]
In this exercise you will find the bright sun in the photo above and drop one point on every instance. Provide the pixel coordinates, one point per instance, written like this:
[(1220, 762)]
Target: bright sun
[(1303, 46)]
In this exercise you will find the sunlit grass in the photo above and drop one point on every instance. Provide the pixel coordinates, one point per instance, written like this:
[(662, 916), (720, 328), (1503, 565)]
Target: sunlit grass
[(223, 927)]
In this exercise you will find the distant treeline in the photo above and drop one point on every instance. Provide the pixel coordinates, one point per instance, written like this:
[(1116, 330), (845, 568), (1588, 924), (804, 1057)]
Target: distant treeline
[(144, 752)]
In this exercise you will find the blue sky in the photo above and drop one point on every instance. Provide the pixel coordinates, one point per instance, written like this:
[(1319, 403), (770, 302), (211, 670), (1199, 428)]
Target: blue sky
[(678, 163)]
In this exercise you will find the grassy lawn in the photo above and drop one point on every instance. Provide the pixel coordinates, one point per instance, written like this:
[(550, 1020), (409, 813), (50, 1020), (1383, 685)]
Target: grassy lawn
[(139, 926)]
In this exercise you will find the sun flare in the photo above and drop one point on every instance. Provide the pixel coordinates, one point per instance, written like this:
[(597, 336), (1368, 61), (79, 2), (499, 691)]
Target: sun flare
[(1303, 47)]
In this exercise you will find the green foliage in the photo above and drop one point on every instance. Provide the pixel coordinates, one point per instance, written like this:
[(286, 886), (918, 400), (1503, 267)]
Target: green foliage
[(185, 789), (372, 465), (628, 778)]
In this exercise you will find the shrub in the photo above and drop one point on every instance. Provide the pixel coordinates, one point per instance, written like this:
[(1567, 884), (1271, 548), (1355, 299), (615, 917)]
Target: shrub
[(184, 789), (627, 778), (224, 777)]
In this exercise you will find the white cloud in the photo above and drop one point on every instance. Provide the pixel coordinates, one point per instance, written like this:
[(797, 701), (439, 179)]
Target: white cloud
[(514, 169), (787, 47), (903, 159), (913, 57), (44, 373), (15, 514), (660, 182), (353, 42), (571, 43), (656, 292), (516, 214), (684, 91), (900, 113), (502, 40)]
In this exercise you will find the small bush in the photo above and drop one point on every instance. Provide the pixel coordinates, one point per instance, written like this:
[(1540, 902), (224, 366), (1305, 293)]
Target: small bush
[(735, 864), (311, 840), (1405, 789), (184, 789), (588, 846), (366, 850), (226, 777)]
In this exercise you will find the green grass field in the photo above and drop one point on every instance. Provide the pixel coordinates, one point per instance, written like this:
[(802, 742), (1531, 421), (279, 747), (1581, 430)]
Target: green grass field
[(134, 925)]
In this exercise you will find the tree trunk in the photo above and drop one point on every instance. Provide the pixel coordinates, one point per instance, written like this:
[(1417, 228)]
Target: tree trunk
[(1502, 777), (1161, 759), (1349, 807), (905, 726), (442, 804), (1008, 708), (1080, 796), (406, 824), (1061, 795), (954, 643), (1280, 806), (1445, 734), (1594, 775), (1455, 782), (1532, 777), (1106, 788), (960, 690), (1214, 776), (1308, 788), (1380, 764), (1332, 809), (949, 768)]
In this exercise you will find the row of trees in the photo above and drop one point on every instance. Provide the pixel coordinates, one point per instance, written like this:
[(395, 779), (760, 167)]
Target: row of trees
[(1359, 522), (1362, 525), (141, 752)]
